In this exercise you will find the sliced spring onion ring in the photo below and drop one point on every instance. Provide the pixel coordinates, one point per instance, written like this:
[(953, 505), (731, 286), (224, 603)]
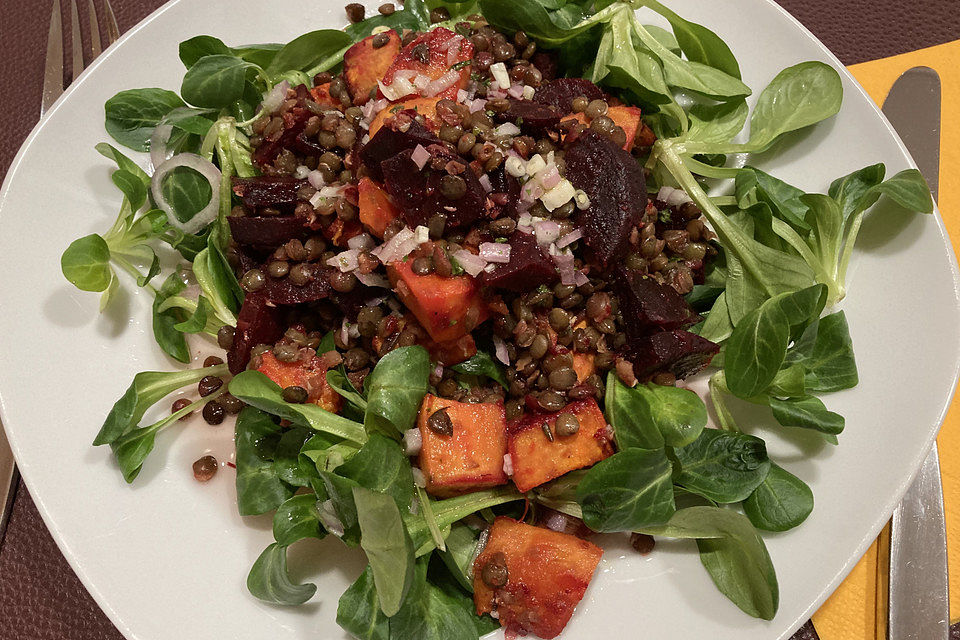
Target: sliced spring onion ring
[(205, 168), (158, 144)]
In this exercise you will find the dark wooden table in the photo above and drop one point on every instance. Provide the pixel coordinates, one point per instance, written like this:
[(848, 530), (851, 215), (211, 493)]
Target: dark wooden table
[(40, 596)]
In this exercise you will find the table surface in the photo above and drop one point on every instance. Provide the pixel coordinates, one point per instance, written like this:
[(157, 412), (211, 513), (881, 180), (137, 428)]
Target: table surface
[(40, 597)]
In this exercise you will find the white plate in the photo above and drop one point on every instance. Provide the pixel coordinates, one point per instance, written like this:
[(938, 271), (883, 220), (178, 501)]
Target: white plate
[(166, 558)]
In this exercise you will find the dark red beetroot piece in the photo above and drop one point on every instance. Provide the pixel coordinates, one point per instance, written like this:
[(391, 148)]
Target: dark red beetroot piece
[(391, 140), (546, 64), (505, 192), (529, 267), (680, 352), (294, 122), (266, 231), (282, 291), (614, 182), (257, 323), (648, 306), (529, 115), (416, 191), (560, 93), (279, 192)]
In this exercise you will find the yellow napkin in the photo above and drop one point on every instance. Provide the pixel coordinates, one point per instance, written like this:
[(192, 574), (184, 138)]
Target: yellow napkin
[(854, 611)]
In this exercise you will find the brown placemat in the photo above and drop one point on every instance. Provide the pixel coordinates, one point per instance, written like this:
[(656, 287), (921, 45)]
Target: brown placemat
[(40, 596)]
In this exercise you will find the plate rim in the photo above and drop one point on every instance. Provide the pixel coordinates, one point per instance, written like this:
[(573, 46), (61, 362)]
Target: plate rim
[(839, 575)]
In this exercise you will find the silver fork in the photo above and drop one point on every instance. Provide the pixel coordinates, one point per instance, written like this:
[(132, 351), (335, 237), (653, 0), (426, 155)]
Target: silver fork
[(53, 74), (52, 88)]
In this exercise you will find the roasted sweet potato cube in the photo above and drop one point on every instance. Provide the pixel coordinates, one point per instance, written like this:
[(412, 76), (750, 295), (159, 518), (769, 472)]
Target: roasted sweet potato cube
[(535, 459), (446, 52), (426, 107), (452, 352), (377, 210), (627, 118), (364, 65), (321, 95), (448, 308), (311, 375), (472, 457), (547, 573)]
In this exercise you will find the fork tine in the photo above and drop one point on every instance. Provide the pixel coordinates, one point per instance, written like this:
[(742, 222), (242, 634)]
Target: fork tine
[(113, 31), (53, 73), (95, 47), (77, 37)]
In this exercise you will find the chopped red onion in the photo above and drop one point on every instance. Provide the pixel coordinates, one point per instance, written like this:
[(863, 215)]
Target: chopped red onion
[(570, 238), (508, 464), (422, 81), (470, 262), (372, 280), (477, 105), (420, 156), (549, 177), (547, 231), (273, 100), (363, 241), (485, 183), (580, 278), (495, 252), (453, 49), (493, 94), (515, 91), (462, 96), (412, 442), (500, 350), (672, 197), (418, 478), (507, 129)]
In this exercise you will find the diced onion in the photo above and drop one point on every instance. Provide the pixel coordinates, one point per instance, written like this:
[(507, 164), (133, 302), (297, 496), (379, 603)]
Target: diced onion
[(582, 199), (580, 278), (397, 247), (495, 252), (672, 197), (477, 105), (205, 168), (515, 166), (418, 478), (442, 83), (373, 280), (536, 164), (470, 262), (515, 91), (485, 183), (362, 241), (547, 231), (301, 172), (500, 350), (345, 260), (412, 442), (507, 129), (549, 177), (558, 196), (499, 71), (570, 238), (420, 156), (276, 96), (422, 234), (507, 464), (528, 92), (453, 49), (462, 96), (399, 88), (315, 178)]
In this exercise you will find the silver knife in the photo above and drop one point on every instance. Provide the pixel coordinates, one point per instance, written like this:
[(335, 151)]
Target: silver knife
[(918, 596)]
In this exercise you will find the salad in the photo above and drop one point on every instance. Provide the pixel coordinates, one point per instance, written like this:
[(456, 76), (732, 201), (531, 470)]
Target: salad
[(462, 259)]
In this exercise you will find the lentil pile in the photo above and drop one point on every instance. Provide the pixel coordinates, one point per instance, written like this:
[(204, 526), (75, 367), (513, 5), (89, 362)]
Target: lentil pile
[(454, 172)]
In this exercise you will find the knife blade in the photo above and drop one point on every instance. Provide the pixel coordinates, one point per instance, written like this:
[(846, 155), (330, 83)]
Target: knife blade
[(918, 592)]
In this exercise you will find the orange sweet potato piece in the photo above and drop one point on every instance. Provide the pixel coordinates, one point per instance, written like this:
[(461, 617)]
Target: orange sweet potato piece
[(439, 61), (627, 118), (547, 575), (377, 210), (583, 365), (364, 65), (339, 232), (536, 460), (452, 352), (427, 107), (471, 458), (448, 308), (321, 95), (311, 375)]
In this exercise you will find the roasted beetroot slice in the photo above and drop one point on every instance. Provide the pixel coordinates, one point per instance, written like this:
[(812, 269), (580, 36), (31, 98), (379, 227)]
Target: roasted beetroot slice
[(530, 116), (266, 231), (560, 93), (416, 191), (279, 192), (294, 122), (390, 141), (529, 267), (281, 291), (648, 306), (546, 64), (614, 182), (680, 352), (257, 323), (505, 191)]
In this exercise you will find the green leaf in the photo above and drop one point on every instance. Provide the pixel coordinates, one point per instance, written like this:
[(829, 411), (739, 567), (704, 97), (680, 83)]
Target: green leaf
[(258, 390), (342, 385), (861, 189), (268, 579), (86, 263), (414, 16), (826, 352), (340, 494), (132, 115), (286, 458), (358, 611), (387, 544), (483, 365), (152, 272), (382, 466), (186, 191), (200, 46), (458, 556), (215, 81), (629, 490), (784, 200), (164, 322), (321, 49), (123, 162), (259, 487), (733, 554), (722, 466), (296, 519), (531, 17), (198, 321), (799, 96), (147, 388), (807, 412), (132, 187), (781, 502), (717, 123), (395, 389), (648, 416), (699, 43), (431, 613)]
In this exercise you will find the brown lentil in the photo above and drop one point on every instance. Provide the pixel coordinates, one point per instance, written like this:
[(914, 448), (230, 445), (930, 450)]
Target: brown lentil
[(439, 422), (343, 282), (180, 404), (294, 394), (595, 109), (213, 413), (566, 424), (253, 280), (225, 337), (440, 14), (551, 401), (205, 468), (355, 12), (380, 40), (642, 543), (209, 384), (231, 404), (495, 573), (387, 9)]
